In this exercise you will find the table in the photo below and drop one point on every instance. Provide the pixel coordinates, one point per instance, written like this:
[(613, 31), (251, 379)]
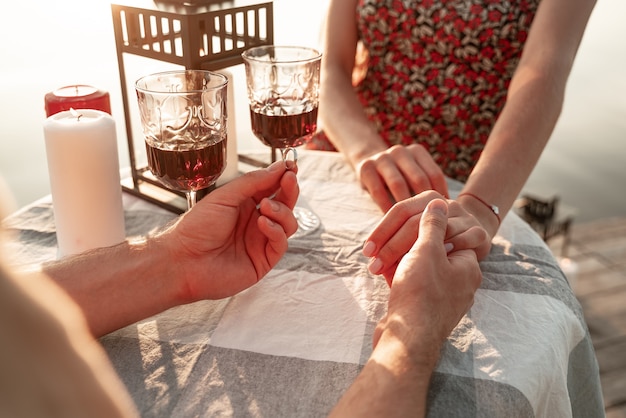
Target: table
[(292, 344)]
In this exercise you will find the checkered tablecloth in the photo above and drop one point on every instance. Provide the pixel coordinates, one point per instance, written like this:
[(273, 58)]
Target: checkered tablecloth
[(293, 343)]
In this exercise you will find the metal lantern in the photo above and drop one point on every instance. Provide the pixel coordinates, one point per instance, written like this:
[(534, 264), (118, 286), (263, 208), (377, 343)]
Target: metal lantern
[(201, 34)]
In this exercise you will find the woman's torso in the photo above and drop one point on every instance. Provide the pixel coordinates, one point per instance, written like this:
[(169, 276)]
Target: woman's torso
[(438, 71)]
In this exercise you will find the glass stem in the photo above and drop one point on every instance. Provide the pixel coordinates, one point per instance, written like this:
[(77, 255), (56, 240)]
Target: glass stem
[(191, 198)]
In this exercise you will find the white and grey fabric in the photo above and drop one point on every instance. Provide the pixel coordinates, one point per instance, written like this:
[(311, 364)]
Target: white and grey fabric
[(293, 343)]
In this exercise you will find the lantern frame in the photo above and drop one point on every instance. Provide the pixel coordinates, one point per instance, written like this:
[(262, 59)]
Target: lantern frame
[(205, 35)]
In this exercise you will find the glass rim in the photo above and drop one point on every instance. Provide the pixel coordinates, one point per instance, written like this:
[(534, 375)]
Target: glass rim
[(223, 83), (316, 54)]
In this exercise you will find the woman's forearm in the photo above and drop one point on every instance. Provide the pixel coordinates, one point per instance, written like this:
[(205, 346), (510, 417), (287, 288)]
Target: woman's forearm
[(515, 144), (534, 102), (345, 122), (341, 113)]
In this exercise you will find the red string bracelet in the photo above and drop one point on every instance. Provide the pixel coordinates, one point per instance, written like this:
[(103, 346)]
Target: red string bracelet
[(492, 208)]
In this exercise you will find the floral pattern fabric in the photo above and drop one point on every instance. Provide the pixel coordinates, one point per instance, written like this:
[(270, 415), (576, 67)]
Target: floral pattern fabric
[(438, 71)]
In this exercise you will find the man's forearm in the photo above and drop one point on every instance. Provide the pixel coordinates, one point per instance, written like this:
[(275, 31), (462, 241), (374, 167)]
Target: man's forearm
[(393, 383), (119, 285)]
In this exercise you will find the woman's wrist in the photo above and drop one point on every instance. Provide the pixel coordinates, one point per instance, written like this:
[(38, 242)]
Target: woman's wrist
[(359, 144), (359, 153), (487, 214)]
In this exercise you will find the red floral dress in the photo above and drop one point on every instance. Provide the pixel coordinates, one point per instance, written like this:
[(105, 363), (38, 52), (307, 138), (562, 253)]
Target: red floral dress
[(438, 72)]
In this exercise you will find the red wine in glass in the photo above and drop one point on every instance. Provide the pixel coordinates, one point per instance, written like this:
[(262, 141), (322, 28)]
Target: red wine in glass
[(284, 130), (188, 167)]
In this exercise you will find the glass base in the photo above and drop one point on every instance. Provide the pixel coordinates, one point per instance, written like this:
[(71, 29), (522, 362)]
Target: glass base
[(307, 221)]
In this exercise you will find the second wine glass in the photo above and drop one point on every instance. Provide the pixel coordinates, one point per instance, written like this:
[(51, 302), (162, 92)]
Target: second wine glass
[(183, 115), (283, 94)]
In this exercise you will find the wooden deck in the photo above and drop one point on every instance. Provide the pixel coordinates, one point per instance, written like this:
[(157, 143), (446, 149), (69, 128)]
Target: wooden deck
[(599, 250)]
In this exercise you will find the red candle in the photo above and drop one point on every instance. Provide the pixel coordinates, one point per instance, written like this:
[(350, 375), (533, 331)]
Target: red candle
[(77, 97)]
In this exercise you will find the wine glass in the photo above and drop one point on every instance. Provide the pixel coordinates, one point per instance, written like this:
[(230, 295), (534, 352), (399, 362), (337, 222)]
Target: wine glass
[(183, 115), (283, 94)]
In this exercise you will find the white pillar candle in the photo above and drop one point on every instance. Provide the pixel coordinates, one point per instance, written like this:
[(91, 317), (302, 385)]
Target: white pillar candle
[(232, 157), (83, 164)]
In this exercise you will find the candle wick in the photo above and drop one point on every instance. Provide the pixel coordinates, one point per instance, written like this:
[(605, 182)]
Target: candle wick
[(76, 114)]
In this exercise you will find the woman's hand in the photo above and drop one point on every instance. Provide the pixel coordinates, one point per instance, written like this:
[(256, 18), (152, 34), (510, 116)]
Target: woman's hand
[(433, 288), (431, 292), (398, 173), (400, 228)]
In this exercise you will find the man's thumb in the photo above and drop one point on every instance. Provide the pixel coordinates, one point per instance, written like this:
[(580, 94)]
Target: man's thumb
[(433, 223)]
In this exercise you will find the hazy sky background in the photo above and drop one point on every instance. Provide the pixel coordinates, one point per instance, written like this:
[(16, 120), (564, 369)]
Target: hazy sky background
[(46, 45)]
